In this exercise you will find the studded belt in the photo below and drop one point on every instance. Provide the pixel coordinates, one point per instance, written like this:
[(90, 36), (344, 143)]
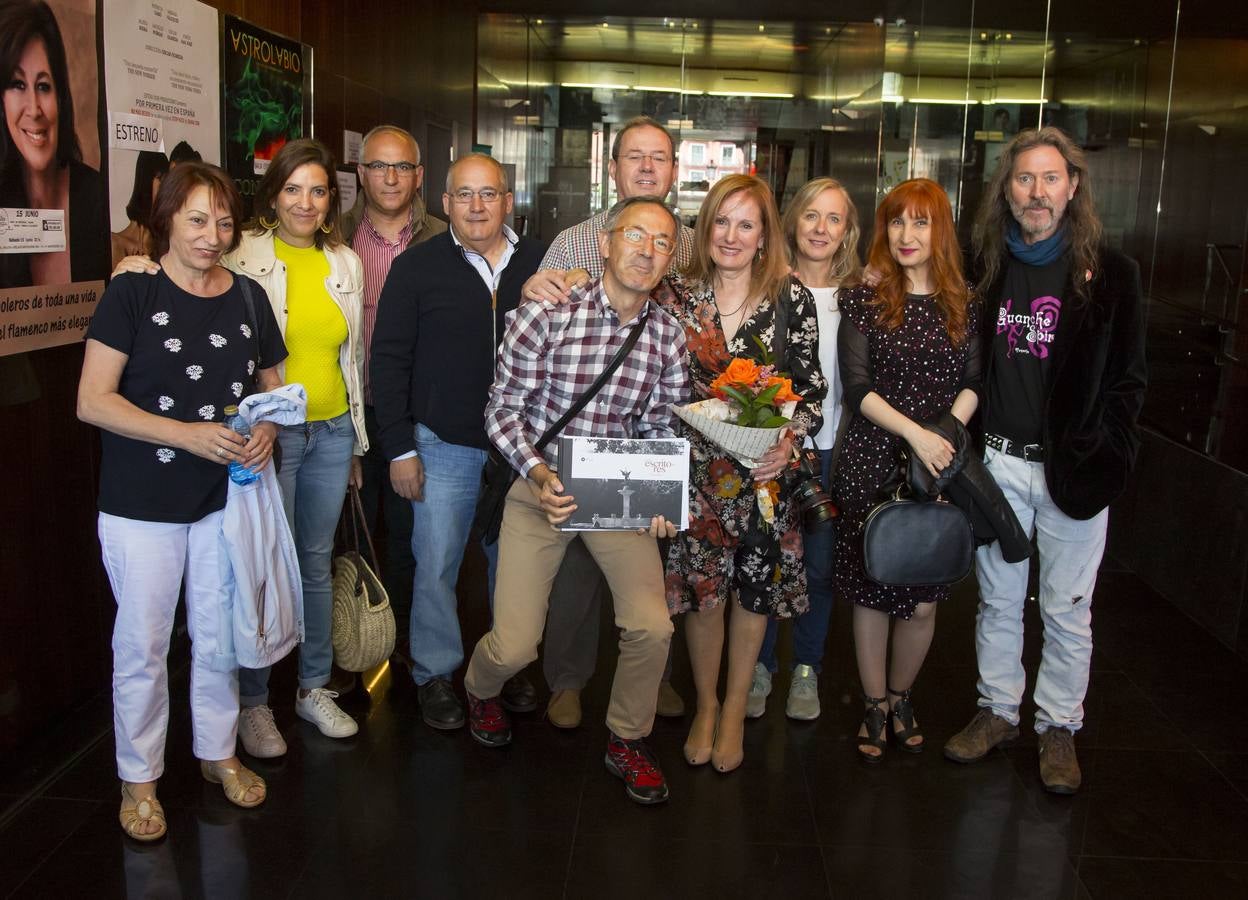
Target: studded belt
[(1027, 452)]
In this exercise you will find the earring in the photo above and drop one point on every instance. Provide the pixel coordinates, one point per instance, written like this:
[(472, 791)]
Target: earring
[(266, 224), (326, 228)]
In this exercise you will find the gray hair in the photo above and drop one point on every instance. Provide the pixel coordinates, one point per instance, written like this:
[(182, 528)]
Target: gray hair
[(618, 210), (401, 133), (484, 157), (640, 122)]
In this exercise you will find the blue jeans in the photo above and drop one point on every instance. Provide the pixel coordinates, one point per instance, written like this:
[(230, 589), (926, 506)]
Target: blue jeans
[(810, 630), (316, 462), (440, 526)]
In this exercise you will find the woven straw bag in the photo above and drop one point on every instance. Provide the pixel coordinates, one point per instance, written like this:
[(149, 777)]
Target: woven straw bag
[(363, 629)]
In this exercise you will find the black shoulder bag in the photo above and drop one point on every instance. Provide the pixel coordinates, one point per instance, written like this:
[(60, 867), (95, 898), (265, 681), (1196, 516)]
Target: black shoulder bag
[(497, 475)]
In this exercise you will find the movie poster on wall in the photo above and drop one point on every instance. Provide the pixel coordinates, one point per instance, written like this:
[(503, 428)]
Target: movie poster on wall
[(266, 98), (54, 251), (161, 80)]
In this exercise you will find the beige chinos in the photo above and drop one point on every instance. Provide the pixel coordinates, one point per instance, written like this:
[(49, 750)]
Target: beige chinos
[(529, 555)]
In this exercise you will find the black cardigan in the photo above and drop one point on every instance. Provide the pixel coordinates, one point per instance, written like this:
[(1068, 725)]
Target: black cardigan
[(1096, 386), (434, 349)]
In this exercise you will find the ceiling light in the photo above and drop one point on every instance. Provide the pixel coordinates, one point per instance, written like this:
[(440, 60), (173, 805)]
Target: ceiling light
[(762, 27), (664, 90), (605, 87), (1017, 100), (760, 94), (941, 101), (680, 123)]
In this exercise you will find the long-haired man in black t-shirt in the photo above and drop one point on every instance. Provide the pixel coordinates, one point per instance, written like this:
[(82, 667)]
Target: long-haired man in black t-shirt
[(1064, 380)]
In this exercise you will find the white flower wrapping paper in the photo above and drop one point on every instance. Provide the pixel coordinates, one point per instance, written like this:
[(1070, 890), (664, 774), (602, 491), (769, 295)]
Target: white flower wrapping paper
[(712, 419)]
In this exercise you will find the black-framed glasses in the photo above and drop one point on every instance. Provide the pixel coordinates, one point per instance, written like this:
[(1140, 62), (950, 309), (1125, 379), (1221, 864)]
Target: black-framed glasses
[(663, 245), (402, 169)]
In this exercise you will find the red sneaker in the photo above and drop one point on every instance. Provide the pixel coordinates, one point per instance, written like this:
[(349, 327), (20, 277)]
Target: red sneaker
[(635, 764), (488, 722)]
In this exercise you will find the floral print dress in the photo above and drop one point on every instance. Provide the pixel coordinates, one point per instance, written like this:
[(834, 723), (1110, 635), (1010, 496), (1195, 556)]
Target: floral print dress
[(728, 548)]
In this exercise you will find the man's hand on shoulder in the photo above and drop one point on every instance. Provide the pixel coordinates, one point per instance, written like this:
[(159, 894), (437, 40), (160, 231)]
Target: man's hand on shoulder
[(553, 285)]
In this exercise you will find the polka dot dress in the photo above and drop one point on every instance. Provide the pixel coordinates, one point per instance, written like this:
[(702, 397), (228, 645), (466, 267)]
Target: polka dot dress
[(918, 371)]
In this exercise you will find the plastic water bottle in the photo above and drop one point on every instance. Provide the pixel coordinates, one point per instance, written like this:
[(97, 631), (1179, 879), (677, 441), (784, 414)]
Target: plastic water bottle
[(239, 473)]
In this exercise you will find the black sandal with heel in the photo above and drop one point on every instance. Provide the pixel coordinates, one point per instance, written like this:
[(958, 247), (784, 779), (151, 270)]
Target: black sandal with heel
[(903, 712), (875, 720)]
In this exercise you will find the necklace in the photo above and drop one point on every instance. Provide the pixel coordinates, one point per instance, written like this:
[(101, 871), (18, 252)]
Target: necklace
[(724, 315)]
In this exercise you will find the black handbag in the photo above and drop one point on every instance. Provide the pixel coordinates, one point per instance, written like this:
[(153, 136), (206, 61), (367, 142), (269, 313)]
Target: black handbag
[(915, 543), (498, 475)]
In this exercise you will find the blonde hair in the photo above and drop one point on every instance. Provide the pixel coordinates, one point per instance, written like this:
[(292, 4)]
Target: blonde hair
[(770, 269), (845, 262)]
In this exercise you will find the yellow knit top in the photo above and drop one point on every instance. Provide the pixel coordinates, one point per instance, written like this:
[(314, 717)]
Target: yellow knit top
[(316, 329)]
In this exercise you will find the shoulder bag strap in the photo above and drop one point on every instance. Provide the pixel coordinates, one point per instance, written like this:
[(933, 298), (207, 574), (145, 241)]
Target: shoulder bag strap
[(593, 388), (780, 338)]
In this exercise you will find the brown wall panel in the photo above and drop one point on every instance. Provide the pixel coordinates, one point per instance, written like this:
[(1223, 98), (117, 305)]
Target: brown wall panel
[(412, 62)]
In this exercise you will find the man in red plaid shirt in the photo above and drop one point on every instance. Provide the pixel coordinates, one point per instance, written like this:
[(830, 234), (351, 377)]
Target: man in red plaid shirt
[(550, 357)]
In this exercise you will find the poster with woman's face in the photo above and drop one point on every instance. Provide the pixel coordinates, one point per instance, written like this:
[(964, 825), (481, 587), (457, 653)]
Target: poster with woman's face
[(53, 227)]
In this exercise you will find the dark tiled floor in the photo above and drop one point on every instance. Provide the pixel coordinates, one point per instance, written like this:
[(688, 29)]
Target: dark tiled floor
[(402, 811)]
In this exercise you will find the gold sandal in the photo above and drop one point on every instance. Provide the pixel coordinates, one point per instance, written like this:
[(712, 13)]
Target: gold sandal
[(135, 812), (236, 782)]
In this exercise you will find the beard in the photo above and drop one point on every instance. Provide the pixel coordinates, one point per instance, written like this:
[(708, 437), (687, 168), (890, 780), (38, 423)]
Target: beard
[(1030, 227)]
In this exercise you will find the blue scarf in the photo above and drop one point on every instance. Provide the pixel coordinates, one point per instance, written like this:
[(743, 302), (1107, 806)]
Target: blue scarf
[(1041, 253)]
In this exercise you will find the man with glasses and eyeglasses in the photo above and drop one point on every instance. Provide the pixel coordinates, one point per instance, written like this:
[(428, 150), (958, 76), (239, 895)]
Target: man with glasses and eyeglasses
[(643, 164), (439, 320), (388, 217), (550, 357)]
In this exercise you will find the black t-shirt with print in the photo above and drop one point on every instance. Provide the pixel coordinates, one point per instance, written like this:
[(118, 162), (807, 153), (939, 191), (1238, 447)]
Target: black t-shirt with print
[(189, 358), (1022, 351)]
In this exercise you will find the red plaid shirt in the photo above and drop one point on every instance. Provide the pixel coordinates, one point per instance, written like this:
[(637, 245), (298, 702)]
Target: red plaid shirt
[(552, 354)]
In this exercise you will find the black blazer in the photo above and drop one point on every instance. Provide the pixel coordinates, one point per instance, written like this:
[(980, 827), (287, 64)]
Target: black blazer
[(1096, 387)]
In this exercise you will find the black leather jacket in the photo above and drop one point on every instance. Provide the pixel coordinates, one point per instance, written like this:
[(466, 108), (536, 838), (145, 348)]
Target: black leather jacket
[(967, 483)]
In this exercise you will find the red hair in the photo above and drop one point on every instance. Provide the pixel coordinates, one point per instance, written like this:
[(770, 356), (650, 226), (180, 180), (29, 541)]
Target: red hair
[(920, 197)]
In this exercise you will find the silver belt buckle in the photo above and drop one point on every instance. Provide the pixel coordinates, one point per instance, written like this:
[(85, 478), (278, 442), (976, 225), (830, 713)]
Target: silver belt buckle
[(1029, 448)]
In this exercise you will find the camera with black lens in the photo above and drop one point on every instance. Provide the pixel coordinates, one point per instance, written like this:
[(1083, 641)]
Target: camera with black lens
[(813, 504)]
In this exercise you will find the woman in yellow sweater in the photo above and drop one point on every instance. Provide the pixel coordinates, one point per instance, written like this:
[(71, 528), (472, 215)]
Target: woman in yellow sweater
[(315, 285)]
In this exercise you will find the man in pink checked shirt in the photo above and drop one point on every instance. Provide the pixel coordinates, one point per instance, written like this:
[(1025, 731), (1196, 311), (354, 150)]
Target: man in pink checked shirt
[(550, 357), (389, 216)]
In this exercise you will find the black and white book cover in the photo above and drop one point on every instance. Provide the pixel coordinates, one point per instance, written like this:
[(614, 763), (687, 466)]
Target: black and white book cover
[(619, 484)]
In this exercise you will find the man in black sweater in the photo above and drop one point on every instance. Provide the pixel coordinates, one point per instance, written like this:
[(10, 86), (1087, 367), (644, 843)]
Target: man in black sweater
[(439, 322)]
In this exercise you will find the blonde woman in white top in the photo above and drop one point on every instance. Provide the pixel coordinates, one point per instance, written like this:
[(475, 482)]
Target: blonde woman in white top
[(821, 227)]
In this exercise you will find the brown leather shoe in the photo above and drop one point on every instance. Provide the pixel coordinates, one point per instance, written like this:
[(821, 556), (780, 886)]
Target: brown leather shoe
[(670, 705), (984, 732), (564, 709), (1059, 769)]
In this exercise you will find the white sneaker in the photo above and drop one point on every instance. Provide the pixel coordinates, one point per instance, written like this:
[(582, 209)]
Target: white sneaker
[(803, 700), (259, 734), (320, 709), (760, 689)]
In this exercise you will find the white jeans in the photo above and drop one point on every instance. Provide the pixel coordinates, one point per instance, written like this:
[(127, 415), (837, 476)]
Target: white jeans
[(146, 563), (1070, 554)]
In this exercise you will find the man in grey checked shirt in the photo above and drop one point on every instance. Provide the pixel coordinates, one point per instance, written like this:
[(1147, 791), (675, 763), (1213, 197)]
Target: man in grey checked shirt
[(550, 357), (643, 164)]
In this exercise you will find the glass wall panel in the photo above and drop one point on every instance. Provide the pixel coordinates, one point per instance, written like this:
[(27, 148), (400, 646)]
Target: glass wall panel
[(932, 88)]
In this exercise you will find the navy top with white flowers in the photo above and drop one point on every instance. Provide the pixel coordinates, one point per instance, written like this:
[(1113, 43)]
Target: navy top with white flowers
[(189, 358)]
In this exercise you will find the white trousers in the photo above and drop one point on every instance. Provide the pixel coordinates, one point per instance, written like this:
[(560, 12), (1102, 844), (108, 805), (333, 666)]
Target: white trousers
[(1070, 555), (146, 564)]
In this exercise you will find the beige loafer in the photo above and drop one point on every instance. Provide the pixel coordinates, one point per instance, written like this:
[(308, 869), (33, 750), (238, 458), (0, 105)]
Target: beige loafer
[(564, 709)]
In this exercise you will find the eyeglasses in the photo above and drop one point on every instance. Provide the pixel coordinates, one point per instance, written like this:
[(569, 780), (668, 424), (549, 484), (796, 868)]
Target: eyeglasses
[(487, 195), (402, 169), (665, 246), (658, 159)]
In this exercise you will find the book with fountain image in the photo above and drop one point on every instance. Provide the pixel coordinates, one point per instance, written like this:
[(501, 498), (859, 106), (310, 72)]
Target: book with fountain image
[(621, 483)]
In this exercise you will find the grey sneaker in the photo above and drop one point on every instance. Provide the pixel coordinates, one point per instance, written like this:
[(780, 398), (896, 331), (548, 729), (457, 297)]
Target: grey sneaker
[(259, 734), (803, 703), (984, 732), (1059, 769), (320, 709), (760, 689)]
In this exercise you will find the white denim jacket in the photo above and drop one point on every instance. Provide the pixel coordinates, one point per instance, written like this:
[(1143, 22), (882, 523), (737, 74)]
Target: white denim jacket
[(255, 258)]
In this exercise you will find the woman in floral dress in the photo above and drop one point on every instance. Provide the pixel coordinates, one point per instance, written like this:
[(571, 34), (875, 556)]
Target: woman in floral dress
[(907, 353), (726, 300)]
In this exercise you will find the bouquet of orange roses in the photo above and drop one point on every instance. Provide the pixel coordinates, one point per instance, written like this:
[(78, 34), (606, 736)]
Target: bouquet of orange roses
[(747, 416), (749, 412)]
